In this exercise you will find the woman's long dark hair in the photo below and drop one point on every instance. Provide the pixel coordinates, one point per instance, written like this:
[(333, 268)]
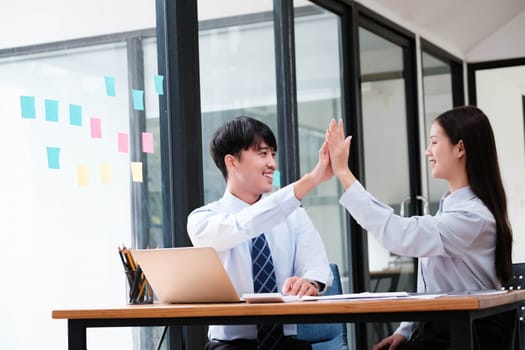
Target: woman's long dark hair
[(471, 125)]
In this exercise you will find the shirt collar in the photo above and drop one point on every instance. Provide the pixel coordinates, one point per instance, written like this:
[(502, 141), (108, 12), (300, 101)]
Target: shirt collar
[(459, 195), (233, 202)]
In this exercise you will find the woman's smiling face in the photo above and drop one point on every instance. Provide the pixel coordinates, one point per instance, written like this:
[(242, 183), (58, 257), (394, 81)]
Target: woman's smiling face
[(442, 155)]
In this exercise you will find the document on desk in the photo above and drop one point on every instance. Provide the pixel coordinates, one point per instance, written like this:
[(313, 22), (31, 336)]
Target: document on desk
[(480, 292), (363, 295), (268, 298), (281, 298)]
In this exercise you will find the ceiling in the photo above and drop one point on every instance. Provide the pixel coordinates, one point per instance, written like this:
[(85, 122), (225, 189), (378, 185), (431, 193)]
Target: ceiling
[(463, 24)]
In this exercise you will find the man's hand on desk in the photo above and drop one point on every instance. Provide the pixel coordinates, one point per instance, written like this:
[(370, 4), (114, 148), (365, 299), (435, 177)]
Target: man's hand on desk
[(300, 286)]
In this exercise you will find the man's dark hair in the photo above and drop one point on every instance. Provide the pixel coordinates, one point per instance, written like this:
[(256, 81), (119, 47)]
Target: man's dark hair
[(239, 134)]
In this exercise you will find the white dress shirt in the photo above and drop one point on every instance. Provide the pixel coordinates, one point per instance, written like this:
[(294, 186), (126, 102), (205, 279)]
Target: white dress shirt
[(456, 247), (229, 224)]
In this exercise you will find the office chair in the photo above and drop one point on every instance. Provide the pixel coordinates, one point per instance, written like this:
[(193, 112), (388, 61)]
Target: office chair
[(326, 336)]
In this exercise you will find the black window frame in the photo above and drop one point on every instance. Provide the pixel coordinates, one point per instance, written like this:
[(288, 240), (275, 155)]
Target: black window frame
[(456, 69), (473, 67)]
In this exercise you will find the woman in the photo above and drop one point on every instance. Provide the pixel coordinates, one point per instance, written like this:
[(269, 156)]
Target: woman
[(467, 245)]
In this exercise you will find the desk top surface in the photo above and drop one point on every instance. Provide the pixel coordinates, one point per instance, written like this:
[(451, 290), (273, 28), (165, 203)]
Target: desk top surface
[(403, 304)]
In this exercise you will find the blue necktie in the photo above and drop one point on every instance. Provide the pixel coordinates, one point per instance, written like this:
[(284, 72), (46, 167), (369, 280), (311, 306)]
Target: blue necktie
[(268, 335)]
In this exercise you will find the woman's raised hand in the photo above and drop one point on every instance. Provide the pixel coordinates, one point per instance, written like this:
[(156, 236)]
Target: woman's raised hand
[(339, 148)]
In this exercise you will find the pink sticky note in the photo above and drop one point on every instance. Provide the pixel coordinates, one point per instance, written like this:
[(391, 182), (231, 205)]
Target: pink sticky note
[(123, 142), (96, 128), (147, 142)]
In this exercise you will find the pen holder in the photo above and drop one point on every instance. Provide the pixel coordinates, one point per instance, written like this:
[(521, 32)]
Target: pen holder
[(139, 289)]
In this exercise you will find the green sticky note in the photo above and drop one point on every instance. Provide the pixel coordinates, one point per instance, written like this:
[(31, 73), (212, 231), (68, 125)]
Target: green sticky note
[(138, 100), (277, 178), (53, 155), (27, 105), (159, 84), (51, 110), (110, 86), (75, 115)]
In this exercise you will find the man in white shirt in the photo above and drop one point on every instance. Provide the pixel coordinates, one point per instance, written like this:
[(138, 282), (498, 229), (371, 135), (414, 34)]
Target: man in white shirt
[(244, 151)]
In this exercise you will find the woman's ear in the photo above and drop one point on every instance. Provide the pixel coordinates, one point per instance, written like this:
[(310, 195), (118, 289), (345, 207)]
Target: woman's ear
[(461, 149)]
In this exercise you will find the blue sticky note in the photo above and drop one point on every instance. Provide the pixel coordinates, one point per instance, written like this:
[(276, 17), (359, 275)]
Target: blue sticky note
[(53, 154), (110, 85), (27, 105), (138, 100), (51, 110), (277, 178), (159, 85), (75, 115)]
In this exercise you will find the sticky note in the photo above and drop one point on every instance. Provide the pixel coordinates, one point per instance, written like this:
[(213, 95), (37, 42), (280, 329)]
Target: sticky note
[(96, 128), (105, 173), (159, 84), (53, 157), (51, 110), (147, 142), (75, 115), (123, 143), (110, 85), (138, 100), (277, 179), (83, 175), (136, 171), (27, 106)]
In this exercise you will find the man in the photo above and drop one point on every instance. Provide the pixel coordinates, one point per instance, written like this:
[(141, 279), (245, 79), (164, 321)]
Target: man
[(244, 151)]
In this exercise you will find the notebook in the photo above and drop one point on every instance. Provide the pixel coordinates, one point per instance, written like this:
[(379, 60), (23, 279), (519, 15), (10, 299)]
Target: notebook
[(186, 275)]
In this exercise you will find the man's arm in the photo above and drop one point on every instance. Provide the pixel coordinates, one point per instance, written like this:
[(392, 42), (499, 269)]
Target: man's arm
[(236, 226)]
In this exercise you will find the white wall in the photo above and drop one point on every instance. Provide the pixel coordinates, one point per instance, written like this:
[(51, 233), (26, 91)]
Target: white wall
[(502, 101), (33, 22), (507, 42)]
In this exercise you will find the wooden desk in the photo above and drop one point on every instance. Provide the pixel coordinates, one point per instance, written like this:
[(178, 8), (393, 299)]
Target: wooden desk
[(459, 311)]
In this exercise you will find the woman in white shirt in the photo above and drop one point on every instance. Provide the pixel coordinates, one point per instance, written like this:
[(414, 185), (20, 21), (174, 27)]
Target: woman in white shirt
[(467, 245)]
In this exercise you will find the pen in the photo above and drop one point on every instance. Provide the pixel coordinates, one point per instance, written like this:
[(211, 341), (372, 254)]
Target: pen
[(130, 259)]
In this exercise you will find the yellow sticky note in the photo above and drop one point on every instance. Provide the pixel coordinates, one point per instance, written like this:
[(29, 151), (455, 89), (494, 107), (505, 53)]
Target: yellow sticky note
[(105, 173), (83, 175), (136, 171)]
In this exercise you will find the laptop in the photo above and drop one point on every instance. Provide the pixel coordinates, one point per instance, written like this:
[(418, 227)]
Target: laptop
[(186, 275)]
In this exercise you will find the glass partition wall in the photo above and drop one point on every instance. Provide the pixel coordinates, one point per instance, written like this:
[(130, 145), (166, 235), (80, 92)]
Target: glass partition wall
[(230, 47), (83, 122), (437, 87), (442, 90), (232, 42), (242, 36), (390, 166), (319, 99)]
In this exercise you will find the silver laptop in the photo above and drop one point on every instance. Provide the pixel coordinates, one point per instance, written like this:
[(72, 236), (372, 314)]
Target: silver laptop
[(186, 275)]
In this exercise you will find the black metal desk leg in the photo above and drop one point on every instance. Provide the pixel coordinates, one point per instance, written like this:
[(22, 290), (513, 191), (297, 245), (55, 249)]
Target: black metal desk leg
[(461, 332), (76, 336), (511, 328)]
